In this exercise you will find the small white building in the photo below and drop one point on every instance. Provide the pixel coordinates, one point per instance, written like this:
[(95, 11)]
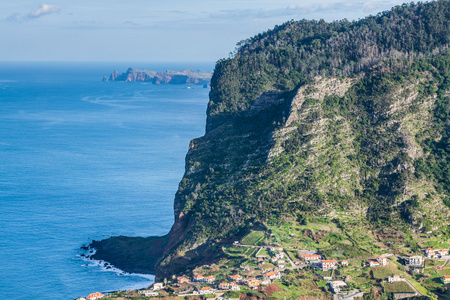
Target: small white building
[(158, 286), (206, 290), (149, 293), (344, 263), (394, 278), (337, 285), (382, 260), (415, 261), (373, 263), (328, 265)]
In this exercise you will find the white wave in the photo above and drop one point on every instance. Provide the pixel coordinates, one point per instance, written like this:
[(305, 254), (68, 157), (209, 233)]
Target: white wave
[(107, 267)]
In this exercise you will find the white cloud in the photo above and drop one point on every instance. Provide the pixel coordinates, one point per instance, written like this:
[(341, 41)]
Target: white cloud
[(45, 9)]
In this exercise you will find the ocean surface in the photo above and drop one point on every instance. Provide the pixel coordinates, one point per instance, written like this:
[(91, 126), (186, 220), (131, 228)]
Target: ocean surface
[(82, 159)]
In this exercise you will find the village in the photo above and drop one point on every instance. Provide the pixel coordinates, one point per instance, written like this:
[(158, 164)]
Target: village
[(268, 267)]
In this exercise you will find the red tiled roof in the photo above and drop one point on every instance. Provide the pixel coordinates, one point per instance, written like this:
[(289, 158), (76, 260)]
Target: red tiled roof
[(205, 288)]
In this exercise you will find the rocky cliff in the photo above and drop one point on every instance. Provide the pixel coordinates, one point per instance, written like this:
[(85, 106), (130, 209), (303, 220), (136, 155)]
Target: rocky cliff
[(345, 121), (187, 76)]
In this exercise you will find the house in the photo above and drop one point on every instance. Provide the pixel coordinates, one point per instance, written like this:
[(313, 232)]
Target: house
[(327, 264), (158, 286), (198, 278), (272, 275), (279, 254), (260, 259), (416, 271), (344, 263), (236, 277), (309, 257), (415, 261), (382, 260), (336, 286), (373, 263), (245, 268), (149, 293), (442, 252), (253, 282), (266, 282), (298, 263), (95, 296), (445, 279), (224, 286), (394, 278), (234, 287), (209, 279), (430, 253), (183, 280), (274, 259), (206, 290)]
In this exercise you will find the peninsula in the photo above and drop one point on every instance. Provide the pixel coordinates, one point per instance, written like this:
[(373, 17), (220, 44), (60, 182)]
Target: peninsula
[(186, 76), (324, 167)]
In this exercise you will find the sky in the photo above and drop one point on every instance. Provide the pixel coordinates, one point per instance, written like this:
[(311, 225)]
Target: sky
[(153, 31)]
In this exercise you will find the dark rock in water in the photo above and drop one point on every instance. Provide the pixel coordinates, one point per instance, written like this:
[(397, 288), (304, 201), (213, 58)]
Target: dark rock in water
[(105, 78), (82, 255), (84, 247)]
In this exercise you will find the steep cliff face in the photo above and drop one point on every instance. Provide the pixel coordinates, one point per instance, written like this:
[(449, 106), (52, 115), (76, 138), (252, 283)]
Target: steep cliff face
[(333, 147), (346, 121)]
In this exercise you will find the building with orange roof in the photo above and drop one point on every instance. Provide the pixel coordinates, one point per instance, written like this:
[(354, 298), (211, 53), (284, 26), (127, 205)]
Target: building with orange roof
[(445, 279), (272, 275), (382, 260), (236, 277), (209, 279), (235, 287), (309, 257), (183, 280), (224, 286), (95, 296), (327, 264)]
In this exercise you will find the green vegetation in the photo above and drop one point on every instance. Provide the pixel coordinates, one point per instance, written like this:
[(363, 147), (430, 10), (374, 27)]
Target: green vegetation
[(398, 287), (253, 238), (331, 137)]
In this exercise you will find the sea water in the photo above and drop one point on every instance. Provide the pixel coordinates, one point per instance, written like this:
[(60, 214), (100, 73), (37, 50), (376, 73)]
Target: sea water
[(82, 159)]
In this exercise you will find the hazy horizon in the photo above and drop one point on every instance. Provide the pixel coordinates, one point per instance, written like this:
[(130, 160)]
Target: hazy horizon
[(151, 31)]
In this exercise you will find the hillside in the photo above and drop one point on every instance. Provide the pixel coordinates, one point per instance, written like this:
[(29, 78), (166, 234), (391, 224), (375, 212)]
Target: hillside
[(343, 123)]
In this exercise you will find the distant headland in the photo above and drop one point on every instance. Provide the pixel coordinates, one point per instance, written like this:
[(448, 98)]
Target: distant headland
[(186, 76)]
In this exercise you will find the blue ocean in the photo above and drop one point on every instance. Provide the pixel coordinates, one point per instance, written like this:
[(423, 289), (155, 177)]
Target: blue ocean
[(82, 160)]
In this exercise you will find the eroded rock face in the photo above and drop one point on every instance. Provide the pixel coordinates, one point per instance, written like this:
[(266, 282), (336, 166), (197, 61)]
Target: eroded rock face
[(187, 76)]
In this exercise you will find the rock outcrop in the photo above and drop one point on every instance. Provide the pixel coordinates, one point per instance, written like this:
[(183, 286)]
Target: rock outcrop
[(187, 76)]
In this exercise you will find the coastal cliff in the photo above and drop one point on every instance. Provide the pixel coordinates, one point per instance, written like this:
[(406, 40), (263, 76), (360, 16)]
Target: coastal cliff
[(345, 122), (187, 76)]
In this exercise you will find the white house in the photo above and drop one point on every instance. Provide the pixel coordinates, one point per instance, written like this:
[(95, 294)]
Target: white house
[(382, 260), (336, 286), (328, 264), (206, 290), (158, 286), (416, 261), (149, 293), (373, 263), (394, 278)]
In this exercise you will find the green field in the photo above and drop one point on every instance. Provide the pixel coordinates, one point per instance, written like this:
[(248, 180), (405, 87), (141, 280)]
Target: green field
[(398, 287), (253, 237), (381, 272)]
